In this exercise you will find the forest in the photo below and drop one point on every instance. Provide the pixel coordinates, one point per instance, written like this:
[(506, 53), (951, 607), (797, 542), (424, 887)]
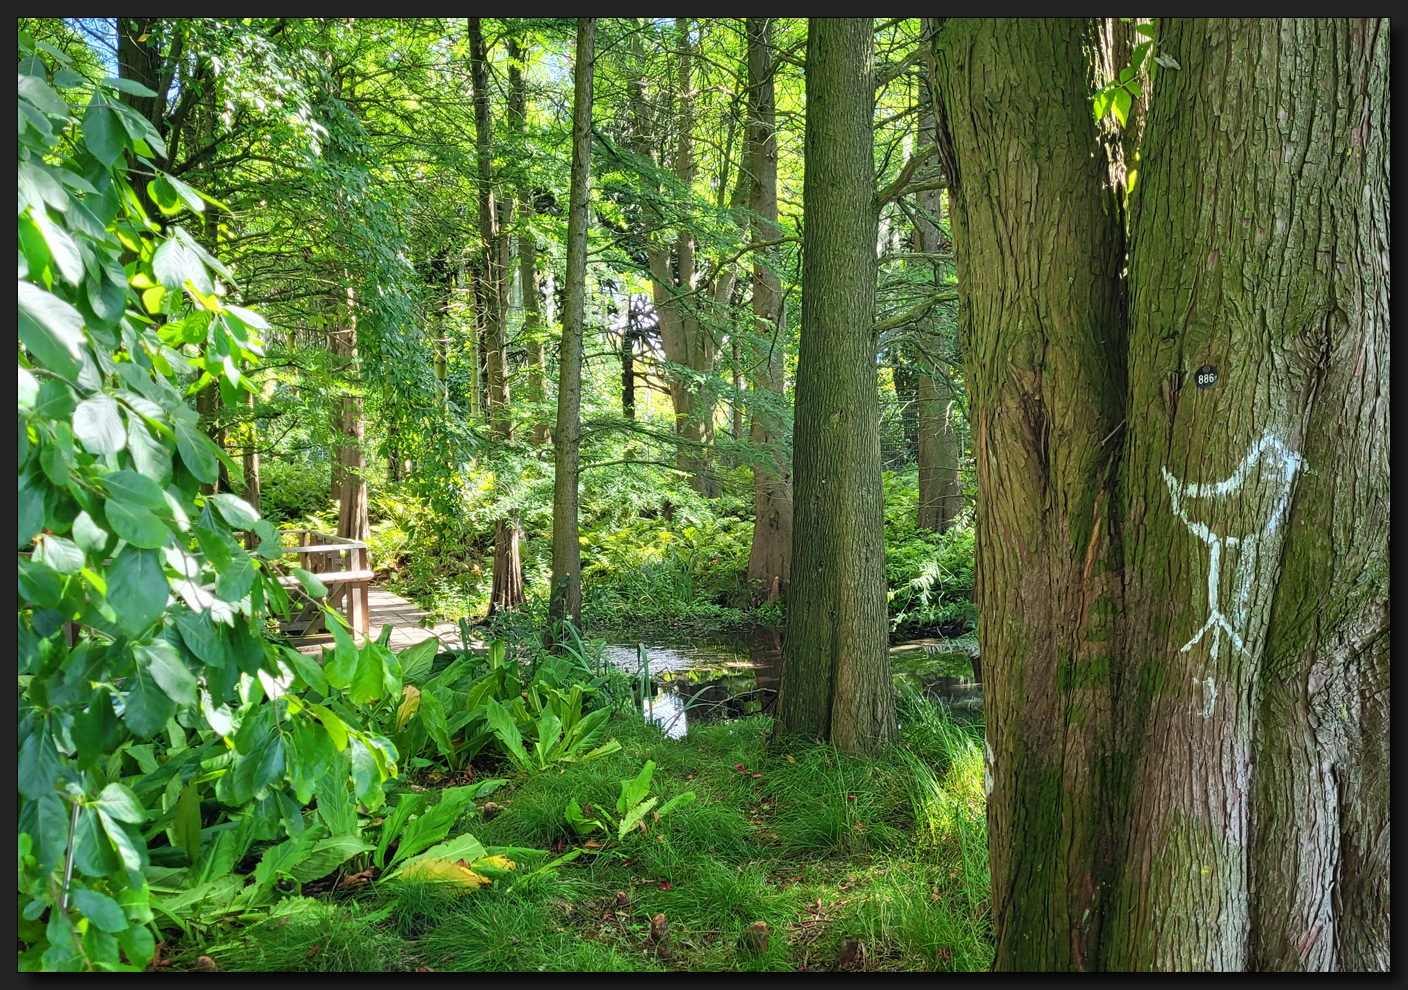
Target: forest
[(703, 494)]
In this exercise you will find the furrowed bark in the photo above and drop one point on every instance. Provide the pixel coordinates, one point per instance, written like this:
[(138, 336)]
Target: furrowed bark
[(836, 680), (1042, 316)]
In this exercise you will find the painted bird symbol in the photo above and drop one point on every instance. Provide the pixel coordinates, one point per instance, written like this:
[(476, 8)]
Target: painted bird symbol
[(1275, 466)]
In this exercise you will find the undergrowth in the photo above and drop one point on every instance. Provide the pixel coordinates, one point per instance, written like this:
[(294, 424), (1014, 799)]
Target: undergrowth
[(888, 852)]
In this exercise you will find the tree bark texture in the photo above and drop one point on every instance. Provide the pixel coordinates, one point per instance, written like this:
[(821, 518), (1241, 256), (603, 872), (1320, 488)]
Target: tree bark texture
[(1183, 521), (770, 556), (566, 597), (349, 459), (1041, 303), (507, 589), (836, 681)]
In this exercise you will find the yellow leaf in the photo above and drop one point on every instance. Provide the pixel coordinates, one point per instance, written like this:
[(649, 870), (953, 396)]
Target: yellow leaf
[(409, 704), (444, 870), (495, 862)]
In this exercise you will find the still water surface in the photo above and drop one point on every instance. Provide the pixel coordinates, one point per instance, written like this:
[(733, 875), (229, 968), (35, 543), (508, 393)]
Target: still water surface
[(721, 676)]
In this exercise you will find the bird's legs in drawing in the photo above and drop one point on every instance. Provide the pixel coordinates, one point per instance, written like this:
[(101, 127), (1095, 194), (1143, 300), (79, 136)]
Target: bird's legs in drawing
[(1279, 470), (1217, 622)]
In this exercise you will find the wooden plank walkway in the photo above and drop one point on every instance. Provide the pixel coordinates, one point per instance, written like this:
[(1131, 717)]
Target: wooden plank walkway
[(410, 624)]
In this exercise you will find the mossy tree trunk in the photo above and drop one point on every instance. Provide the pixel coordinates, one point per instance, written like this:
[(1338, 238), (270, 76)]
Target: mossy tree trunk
[(836, 681), (770, 556), (1182, 574), (566, 596)]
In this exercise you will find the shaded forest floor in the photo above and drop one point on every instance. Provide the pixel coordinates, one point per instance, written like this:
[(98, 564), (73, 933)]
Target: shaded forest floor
[(858, 864)]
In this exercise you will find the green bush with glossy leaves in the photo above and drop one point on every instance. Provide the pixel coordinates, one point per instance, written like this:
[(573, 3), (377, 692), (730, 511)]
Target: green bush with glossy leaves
[(147, 689)]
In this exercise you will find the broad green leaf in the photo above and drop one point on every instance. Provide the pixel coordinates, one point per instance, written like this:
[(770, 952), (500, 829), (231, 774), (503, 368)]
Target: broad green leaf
[(632, 817), (60, 554), (30, 509), (103, 132), (196, 452), (121, 804), (128, 86), (633, 791), (327, 855), (188, 195), (186, 825), (175, 264), (465, 847), (62, 248), (56, 461), (150, 458), (38, 584), (237, 512), (88, 534), (100, 910), (132, 850), (248, 317), (391, 827), (39, 763), (234, 582), (366, 775), (28, 389), (137, 589), (344, 662), (93, 853), (163, 194), (369, 677), (678, 801), (435, 824), (417, 660), (97, 423), (307, 668), (129, 486), (1122, 103), (137, 941), (147, 706), (510, 739), (279, 860), (51, 329), (310, 583), (36, 91), (136, 525), (166, 667)]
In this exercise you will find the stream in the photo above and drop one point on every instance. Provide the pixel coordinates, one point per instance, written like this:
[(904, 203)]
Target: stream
[(715, 676)]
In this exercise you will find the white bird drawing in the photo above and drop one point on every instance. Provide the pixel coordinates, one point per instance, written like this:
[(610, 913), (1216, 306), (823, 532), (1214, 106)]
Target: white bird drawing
[(1279, 465)]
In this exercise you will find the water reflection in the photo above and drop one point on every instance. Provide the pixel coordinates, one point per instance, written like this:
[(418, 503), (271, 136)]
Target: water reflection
[(706, 678)]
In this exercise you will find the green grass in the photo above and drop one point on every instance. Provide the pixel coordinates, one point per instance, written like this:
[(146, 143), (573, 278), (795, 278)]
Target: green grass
[(889, 851)]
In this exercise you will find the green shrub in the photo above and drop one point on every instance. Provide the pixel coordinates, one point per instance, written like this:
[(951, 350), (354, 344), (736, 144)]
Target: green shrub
[(289, 492)]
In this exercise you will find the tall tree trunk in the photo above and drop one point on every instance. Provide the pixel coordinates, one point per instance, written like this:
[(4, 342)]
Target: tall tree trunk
[(836, 680), (940, 450), (349, 460), (940, 444), (528, 257), (628, 370), (770, 556), (1182, 523), (251, 467), (566, 597), (1261, 606), (507, 590), (684, 338)]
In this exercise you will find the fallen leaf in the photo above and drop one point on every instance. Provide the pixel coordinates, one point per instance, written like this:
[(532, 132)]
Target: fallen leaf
[(740, 767), (356, 879), (207, 965), (314, 950), (756, 776), (850, 797), (664, 885), (623, 900), (444, 870), (790, 760)]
